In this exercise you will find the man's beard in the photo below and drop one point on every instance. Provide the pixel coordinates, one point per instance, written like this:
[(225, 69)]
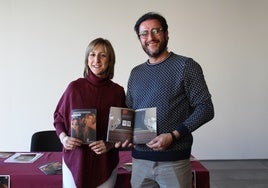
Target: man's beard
[(158, 52)]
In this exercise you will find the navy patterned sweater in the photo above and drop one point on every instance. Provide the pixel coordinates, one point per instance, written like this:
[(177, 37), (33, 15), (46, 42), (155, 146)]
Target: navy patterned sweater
[(177, 87)]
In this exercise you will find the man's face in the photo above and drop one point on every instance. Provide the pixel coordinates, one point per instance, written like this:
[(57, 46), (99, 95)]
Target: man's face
[(152, 37)]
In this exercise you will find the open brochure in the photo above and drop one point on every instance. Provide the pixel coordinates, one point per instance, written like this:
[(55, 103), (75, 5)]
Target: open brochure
[(137, 126), (23, 158), (84, 125)]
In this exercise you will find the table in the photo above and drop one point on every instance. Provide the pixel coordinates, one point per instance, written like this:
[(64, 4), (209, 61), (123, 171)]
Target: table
[(29, 174)]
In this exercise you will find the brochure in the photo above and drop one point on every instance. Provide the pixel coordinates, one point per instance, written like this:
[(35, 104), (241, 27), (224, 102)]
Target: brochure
[(6, 154), (23, 158), (4, 181), (51, 168), (137, 126), (84, 125)]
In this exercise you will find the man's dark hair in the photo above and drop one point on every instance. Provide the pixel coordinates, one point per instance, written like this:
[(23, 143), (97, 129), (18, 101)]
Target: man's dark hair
[(151, 16)]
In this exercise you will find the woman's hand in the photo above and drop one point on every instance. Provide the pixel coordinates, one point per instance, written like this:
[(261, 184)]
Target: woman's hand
[(126, 144), (100, 147), (68, 142)]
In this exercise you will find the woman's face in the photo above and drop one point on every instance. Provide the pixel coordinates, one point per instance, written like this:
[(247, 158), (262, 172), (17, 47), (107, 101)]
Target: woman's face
[(98, 62)]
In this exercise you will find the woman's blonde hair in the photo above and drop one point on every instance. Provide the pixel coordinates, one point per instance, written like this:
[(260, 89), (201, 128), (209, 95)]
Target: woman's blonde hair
[(109, 52)]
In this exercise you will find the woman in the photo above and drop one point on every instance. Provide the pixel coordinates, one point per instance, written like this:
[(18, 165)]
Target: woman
[(93, 165)]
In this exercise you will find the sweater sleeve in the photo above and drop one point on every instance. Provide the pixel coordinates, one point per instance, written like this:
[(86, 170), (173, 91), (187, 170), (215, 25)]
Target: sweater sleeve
[(61, 113), (202, 109)]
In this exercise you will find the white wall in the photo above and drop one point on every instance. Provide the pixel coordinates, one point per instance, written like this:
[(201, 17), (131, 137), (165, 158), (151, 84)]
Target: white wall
[(42, 45)]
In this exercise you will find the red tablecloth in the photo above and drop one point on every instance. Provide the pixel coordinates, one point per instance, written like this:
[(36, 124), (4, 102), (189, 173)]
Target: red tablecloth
[(29, 175)]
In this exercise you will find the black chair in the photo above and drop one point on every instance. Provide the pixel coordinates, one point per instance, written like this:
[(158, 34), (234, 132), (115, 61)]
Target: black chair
[(44, 141)]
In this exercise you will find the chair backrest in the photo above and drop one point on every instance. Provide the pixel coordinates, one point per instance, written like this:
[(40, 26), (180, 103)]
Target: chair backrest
[(43, 141)]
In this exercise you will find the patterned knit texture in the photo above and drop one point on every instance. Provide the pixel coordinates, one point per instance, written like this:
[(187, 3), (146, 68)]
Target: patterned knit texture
[(176, 86)]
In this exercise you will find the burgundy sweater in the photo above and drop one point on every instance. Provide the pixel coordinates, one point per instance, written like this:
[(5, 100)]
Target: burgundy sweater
[(88, 168)]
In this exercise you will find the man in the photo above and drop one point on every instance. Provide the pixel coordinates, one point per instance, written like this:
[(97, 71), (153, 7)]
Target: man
[(175, 85)]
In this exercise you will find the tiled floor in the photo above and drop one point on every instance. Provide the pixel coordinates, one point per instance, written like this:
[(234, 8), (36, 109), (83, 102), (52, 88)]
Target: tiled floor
[(237, 173)]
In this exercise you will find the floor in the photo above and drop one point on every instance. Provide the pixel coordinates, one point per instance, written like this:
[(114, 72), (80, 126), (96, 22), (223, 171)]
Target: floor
[(237, 173)]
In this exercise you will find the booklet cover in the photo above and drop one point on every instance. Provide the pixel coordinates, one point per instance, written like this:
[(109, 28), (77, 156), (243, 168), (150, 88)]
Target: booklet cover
[(138, 126), (84, 125), (51, 168), (4, 181), (23, 158)]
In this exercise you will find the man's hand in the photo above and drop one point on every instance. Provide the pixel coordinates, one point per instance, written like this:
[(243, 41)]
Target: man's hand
[(161, 142)]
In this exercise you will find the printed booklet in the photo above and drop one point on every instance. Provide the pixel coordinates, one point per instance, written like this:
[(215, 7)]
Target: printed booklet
[(137, 126), (84, 125), (51, 168), (4, 181), (23, 157), (6, 154)]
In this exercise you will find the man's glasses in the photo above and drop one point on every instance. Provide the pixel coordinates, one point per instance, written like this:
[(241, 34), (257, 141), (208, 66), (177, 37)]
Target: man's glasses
[(154, 31)]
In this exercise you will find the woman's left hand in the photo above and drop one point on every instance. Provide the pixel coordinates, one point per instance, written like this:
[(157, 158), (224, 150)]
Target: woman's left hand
[(100, 147)]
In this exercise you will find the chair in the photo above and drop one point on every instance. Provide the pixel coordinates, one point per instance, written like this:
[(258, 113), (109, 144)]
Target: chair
[(44, 141)]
